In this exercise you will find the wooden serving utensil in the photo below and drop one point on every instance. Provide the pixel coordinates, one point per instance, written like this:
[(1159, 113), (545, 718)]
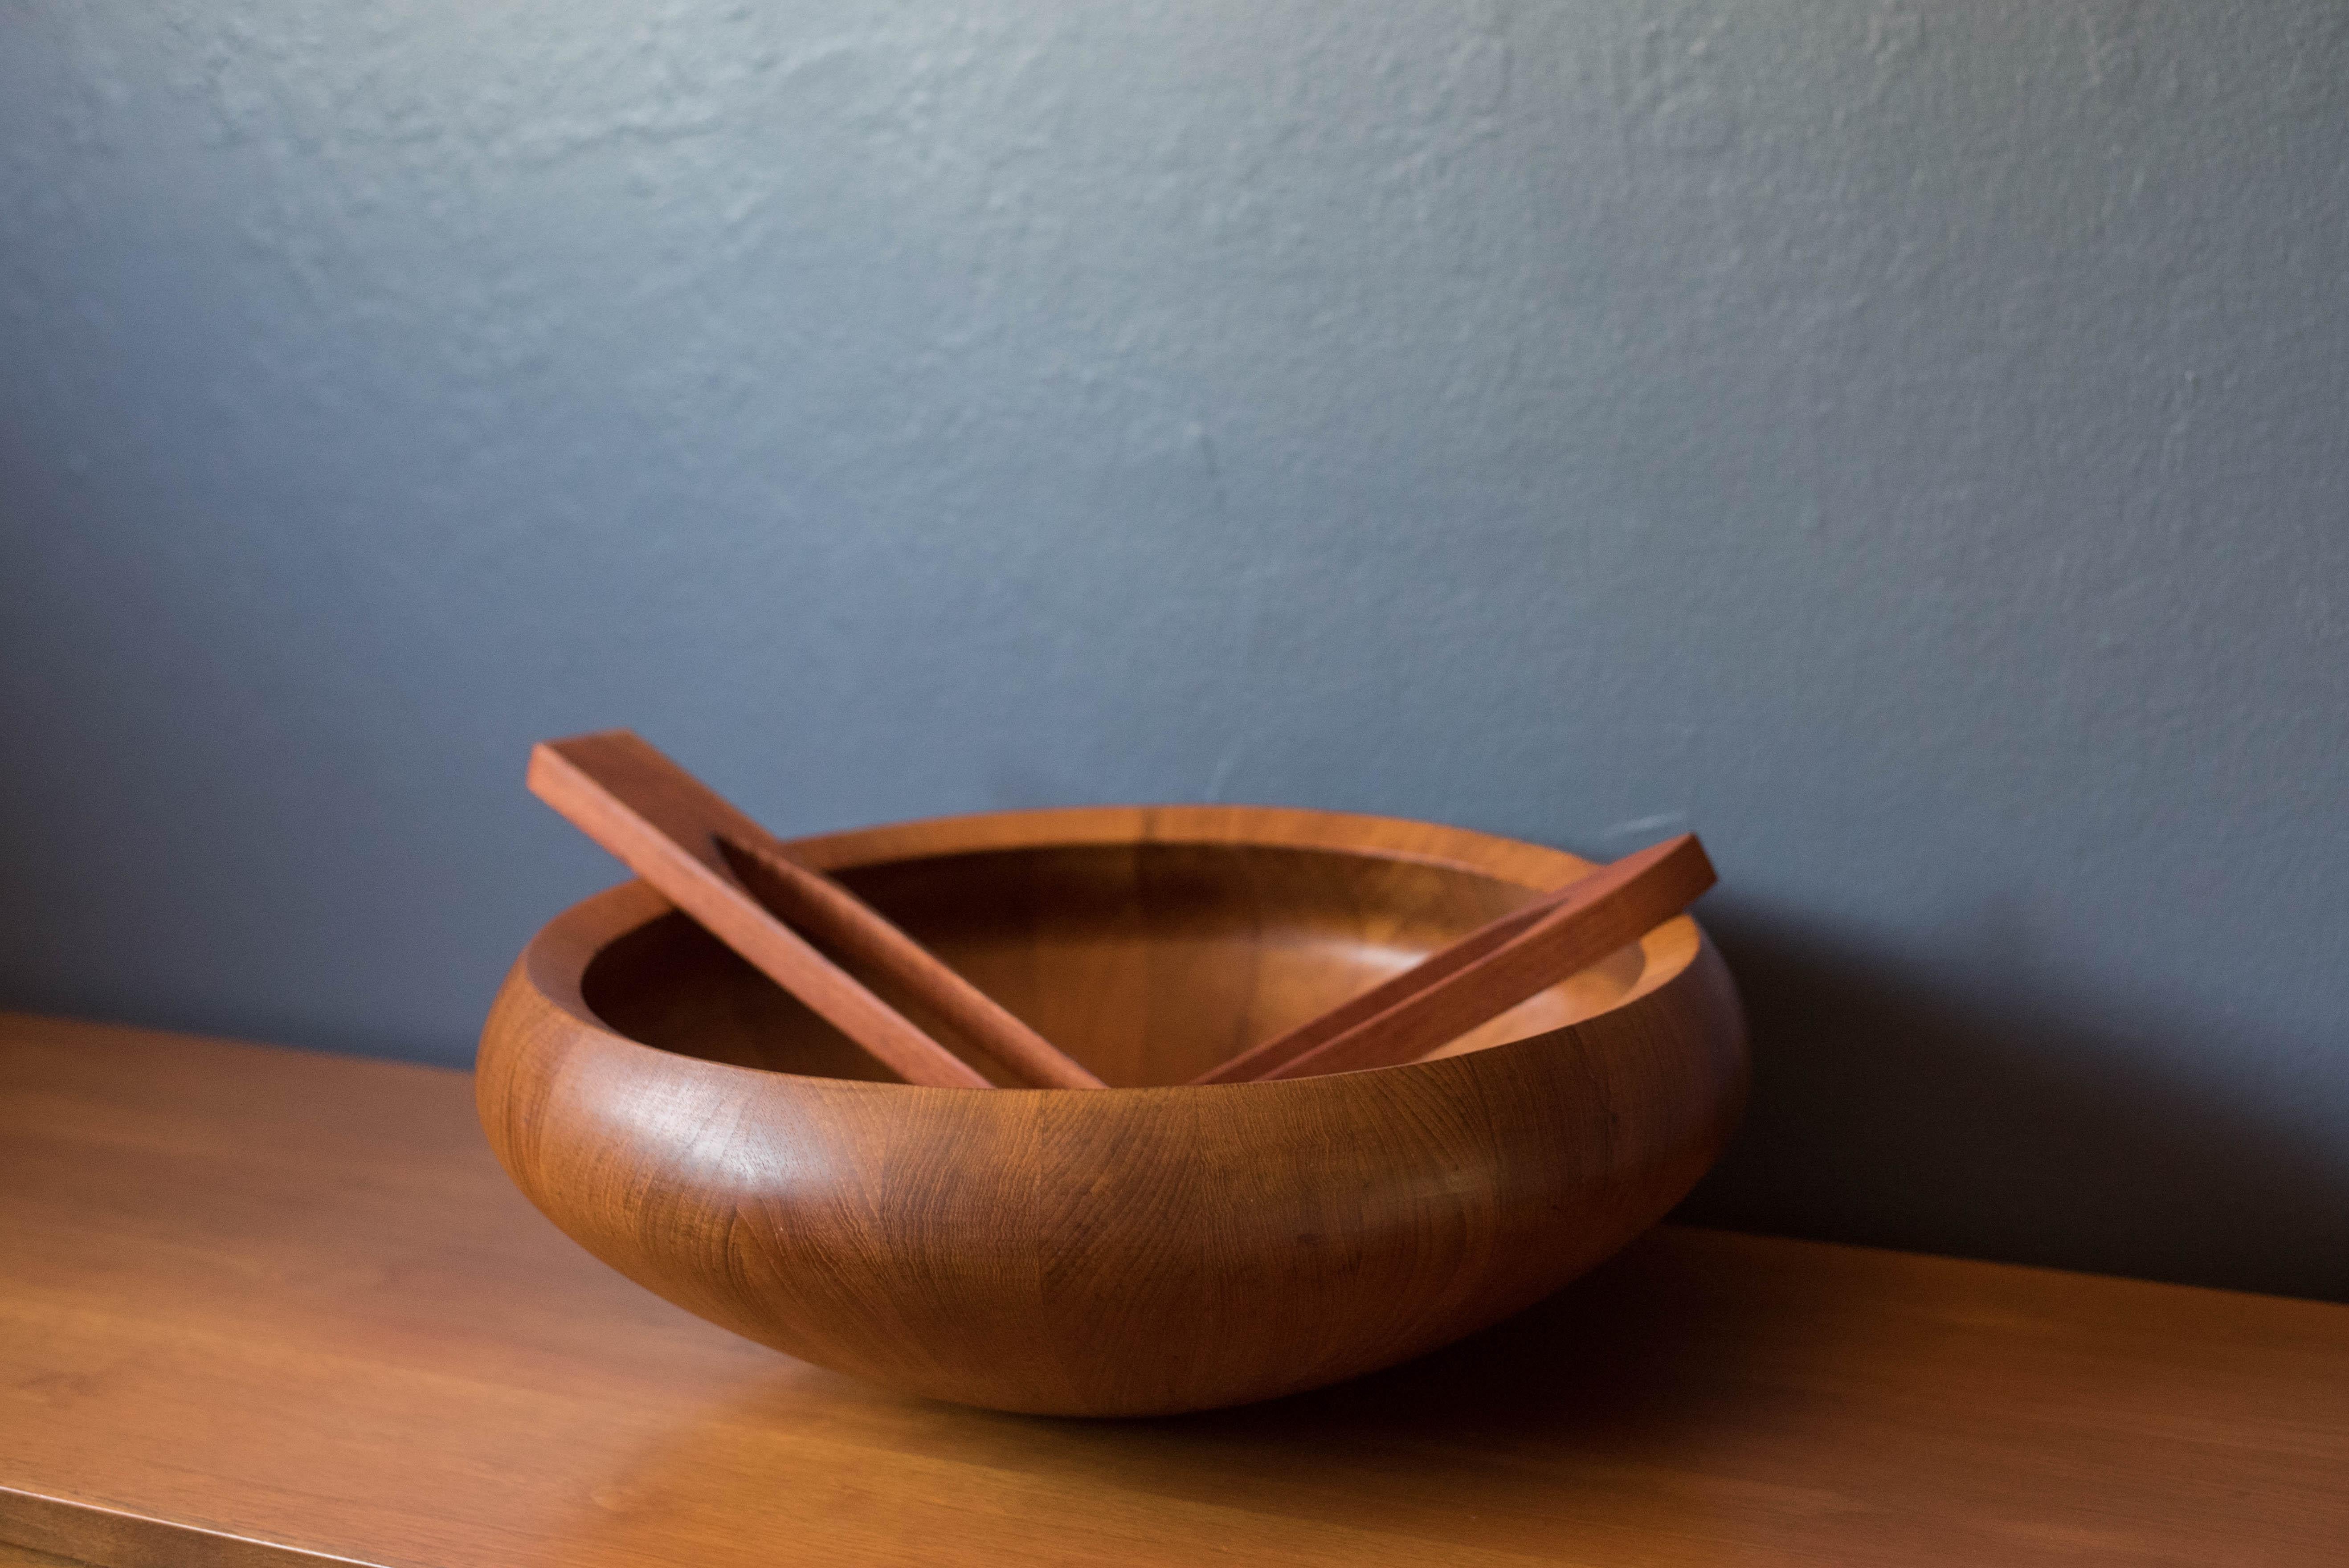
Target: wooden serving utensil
[(815, 903), (728, 873), (1486, 972)]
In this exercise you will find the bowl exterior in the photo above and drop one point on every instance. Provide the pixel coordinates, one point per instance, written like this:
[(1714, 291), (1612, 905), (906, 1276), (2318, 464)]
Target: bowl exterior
[(1116, 1252)]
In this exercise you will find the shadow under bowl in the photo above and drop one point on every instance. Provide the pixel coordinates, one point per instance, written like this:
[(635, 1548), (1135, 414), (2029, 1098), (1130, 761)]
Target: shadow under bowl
[(1147, 1248)]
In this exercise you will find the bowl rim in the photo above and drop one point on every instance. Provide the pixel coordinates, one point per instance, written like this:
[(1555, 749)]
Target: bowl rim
[(555, 961)]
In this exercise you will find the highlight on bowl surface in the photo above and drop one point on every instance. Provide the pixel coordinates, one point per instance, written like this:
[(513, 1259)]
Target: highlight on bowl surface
[(1477, 1087)]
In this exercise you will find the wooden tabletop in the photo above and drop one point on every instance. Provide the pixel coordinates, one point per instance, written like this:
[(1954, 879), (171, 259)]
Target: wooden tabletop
[(259, 1306)]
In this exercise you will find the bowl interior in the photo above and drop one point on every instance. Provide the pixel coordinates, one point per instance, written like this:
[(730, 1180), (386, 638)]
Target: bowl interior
[(1149, 963)]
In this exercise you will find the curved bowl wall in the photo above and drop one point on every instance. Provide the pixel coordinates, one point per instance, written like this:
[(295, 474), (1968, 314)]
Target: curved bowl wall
[(1138, 1250)]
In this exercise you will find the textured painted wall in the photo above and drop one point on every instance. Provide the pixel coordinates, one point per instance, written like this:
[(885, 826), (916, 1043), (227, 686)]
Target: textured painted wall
[(1905, 442)]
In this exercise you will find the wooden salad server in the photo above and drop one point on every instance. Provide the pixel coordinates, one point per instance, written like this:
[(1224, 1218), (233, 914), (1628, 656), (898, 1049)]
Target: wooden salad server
[(726, 871), (1486, 972)]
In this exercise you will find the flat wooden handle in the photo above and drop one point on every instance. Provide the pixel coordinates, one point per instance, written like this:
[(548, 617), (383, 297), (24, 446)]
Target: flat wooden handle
[(1260, 1060), (1487, 972), (820, 907), (667, 827)]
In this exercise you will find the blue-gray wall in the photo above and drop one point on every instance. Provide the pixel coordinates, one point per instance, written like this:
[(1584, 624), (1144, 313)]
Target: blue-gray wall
[(1908, 442)]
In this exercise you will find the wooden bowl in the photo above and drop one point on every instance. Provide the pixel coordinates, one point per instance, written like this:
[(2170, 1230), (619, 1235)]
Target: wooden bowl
[(1136, 1250)]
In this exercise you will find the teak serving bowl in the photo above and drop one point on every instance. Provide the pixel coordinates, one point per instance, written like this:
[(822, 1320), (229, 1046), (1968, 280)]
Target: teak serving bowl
[(1126, 1251)]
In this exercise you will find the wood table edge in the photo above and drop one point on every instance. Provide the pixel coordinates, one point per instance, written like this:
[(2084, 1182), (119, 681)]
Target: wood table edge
[(84, 1534)]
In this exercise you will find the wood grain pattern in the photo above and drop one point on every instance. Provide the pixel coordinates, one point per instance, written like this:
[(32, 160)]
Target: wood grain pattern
[(1155, 944), (1483, 975), (670, 831), (265, 1308), (25, 1557), (830, 912), (1127, 1251), (1259, 1059)]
